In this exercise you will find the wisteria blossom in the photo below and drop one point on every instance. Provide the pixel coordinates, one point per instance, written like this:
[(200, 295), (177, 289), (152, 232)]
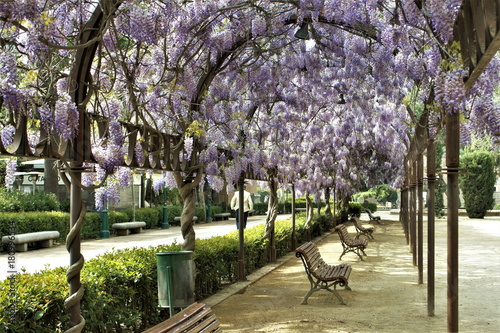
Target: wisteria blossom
[(243, 96)]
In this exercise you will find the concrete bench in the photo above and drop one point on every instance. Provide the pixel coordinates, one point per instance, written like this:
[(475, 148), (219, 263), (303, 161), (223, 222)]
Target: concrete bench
[(222, 216), (178, 219), (122, 228), (41, 238), (320, 274)]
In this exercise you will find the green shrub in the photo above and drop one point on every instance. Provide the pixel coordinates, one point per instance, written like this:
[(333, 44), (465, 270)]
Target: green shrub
[(149, 215), (355, 209), (382, 193), (174, 211), (64, 206), (121, 286), (117, 217), (260, 208), (16, 201), (371, 206), (478, 183), (497, 207), (326, 222), (215, 209)]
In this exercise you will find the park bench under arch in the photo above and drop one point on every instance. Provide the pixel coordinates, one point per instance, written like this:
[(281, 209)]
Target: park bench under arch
[(320, 274)]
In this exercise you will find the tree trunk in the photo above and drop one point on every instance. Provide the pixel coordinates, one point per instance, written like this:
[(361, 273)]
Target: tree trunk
[(272, 213), (309, 210), (51, 182), (186, 187), (201, 199), (328, 210), (272, 208)]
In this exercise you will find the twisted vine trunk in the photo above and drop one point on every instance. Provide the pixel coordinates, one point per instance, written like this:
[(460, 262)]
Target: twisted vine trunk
[(76, 290), (272, 213), (309, 210), (186, 186), (328, 210)]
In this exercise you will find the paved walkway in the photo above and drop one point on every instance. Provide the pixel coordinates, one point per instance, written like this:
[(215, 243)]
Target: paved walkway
[(35, 260)]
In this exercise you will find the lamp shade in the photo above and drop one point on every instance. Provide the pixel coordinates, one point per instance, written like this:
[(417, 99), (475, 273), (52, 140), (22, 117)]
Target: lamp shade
[(303, 32)]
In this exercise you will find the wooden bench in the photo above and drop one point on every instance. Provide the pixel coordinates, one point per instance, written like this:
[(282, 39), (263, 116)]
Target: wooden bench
[(362, 230), (349, 244), (372, 217), (41, 238), (320, 274), (222, 216), (123, 228), (195, 318)]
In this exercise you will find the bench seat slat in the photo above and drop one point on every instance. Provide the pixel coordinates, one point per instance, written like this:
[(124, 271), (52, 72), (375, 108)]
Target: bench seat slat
[(188, 322), (195, 318)]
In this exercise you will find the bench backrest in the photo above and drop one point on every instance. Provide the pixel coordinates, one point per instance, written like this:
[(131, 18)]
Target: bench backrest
[(344, 235), (310, 256), (195, 318)]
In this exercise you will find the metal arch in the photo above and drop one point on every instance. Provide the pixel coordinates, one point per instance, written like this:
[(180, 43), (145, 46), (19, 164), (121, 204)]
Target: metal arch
[(477, 28)]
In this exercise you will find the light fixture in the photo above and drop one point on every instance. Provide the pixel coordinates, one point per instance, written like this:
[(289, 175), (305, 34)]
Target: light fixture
[(341, 99), (303, 32)]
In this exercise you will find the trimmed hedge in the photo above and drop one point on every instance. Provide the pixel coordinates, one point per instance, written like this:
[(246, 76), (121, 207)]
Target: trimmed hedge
[(16, 201), (355, 208), (478, 183), (151, 216), (46, 221), (121, 286)]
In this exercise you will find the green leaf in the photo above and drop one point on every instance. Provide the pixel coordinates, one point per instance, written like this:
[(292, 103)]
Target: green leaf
[(39, 314)]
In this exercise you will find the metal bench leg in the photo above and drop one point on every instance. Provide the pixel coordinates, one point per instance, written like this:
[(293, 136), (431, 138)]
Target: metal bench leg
[(334, 291), (343, 252), (359, 255), (314, 287)]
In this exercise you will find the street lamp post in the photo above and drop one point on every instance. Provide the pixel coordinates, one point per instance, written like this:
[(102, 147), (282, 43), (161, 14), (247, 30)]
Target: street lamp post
[(164, 224), (104, 224)]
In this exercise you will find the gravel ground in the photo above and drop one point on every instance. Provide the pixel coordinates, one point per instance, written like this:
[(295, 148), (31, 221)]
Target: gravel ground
[(385, 296)]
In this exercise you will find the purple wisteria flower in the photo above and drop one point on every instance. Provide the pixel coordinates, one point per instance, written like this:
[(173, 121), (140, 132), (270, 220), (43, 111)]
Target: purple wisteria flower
[(66, 117), (46, 117), (10, 169), (8, 135), (188, 147), (216, 183), (89, 177)]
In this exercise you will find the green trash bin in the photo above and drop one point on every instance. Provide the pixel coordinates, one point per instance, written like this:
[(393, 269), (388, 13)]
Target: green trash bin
[(175, 279)]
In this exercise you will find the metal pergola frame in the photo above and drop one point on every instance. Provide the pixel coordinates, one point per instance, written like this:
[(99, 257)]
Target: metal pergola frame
[(477, 29)]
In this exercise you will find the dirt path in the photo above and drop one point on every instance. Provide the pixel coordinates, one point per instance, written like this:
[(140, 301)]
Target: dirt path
[(385, 295)]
